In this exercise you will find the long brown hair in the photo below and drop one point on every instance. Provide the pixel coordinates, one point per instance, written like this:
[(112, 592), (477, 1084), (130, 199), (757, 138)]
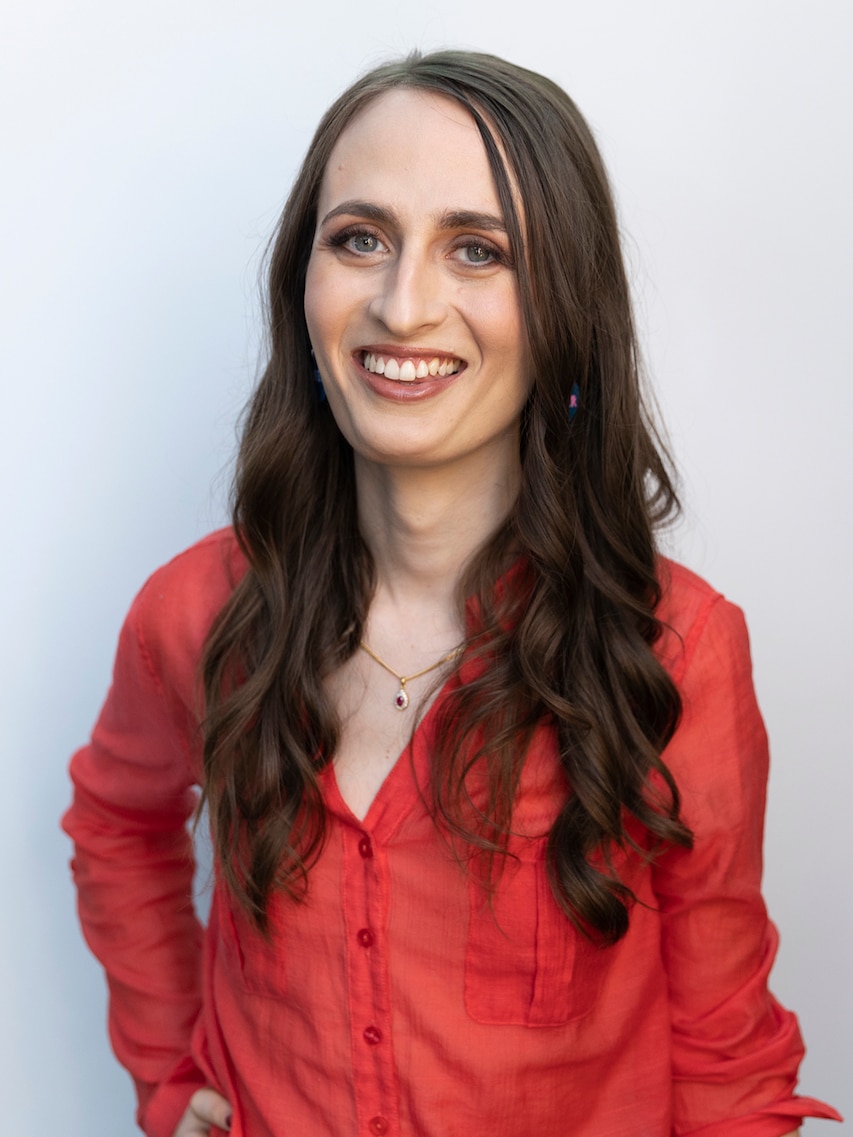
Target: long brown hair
[(571, 644)]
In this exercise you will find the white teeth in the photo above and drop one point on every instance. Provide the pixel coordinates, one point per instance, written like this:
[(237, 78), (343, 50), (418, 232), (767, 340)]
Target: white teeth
[(407, 370)]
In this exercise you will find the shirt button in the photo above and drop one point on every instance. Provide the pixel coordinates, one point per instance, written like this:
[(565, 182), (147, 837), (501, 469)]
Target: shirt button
[(378, 1125), (372, 1035), (365, 937), (365, 848)]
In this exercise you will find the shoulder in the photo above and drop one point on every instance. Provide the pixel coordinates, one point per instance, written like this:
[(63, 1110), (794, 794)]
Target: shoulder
[(200, 577), (696, 619), (718, 754), (174, 610)]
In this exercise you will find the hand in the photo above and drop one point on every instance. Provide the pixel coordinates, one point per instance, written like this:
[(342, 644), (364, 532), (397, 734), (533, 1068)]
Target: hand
[(206, 1108)]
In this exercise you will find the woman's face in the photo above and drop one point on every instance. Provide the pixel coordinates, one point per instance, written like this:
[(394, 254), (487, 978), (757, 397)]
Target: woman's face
[(411, 298)]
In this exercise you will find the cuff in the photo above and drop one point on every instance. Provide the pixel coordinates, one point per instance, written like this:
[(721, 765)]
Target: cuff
[(162, 1108), (776, 1120)]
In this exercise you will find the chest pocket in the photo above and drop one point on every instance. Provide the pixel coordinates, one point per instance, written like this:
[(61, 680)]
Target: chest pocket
[(258, 962), (526, 963)]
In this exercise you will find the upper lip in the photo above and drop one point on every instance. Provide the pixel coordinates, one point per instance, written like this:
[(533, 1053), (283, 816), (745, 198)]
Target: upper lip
[(404, 351)]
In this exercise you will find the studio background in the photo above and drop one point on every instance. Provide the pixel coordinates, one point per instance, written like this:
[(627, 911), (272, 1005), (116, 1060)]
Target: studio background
[(147, 151)]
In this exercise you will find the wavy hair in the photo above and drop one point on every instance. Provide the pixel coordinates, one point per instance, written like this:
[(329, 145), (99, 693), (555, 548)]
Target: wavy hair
[(570, 644)]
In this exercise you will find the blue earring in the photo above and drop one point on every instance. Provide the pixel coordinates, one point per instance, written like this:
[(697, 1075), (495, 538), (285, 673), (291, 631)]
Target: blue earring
[(574, 400)]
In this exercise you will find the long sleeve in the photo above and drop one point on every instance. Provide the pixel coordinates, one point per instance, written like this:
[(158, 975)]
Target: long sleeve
[(133, 864), (361, 1011), (735, 1049)]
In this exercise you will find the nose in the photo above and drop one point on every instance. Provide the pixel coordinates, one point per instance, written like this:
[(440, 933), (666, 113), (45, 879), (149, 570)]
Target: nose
[(409, 295)]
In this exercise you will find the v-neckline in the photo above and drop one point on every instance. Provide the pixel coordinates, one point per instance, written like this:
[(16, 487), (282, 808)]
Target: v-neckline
[(388, 809), (407, 777)]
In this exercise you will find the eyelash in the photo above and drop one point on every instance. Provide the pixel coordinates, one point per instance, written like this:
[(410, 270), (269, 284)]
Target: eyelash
[(497, 255), (339, 240)]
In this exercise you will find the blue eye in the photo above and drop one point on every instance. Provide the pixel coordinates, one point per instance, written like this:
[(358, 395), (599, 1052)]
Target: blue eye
[(354, 239), (478, 254), (364, 242)]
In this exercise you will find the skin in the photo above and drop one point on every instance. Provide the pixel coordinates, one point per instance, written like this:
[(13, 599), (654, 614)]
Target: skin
[(207, 1108), (410, 258), (410, 261)]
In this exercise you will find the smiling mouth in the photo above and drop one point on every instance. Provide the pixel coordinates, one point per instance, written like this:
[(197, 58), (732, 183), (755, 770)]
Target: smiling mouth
[(408, 370)]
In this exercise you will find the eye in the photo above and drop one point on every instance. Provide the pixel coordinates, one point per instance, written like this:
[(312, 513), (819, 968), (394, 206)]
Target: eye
[(476, 253), (361, 242)]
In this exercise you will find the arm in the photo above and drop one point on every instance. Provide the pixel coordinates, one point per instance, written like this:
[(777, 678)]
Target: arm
[(133, 868), (735, 1049)]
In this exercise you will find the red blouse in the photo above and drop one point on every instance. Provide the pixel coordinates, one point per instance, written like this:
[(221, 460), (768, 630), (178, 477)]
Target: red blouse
[(397, 1000)]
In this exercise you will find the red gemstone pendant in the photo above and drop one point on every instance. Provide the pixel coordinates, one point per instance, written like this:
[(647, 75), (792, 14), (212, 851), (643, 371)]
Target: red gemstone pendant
[(401, 699)]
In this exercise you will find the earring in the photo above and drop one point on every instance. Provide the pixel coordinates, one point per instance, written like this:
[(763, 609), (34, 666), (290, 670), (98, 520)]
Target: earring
[(574, 400)]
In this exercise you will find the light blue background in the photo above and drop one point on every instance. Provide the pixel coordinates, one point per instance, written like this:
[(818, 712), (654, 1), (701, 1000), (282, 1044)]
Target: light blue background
[(147, 149)]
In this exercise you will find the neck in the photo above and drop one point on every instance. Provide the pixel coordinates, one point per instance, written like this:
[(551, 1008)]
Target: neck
[(423, 526)]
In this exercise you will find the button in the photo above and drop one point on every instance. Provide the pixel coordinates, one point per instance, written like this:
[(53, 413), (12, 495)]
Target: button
[(372, 1035), (365, 848), (365, 937), (378, 1125)]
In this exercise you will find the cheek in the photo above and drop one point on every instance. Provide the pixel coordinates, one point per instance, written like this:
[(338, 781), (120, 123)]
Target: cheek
[(510, 339), (330, 307), (499, 317), (322, 286), (313, 303)]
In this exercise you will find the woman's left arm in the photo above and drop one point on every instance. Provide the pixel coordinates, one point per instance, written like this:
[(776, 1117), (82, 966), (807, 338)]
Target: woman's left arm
[(735, 1050)]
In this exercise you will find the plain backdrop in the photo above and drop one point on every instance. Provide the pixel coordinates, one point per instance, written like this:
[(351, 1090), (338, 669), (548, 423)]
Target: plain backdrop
[(147, 149)]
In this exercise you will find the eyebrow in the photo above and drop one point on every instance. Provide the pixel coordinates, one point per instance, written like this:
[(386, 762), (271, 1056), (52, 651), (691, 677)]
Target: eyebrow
[(449, 219)]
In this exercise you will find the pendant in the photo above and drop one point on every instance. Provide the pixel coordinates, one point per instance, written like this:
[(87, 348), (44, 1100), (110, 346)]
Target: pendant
[(401, 699)]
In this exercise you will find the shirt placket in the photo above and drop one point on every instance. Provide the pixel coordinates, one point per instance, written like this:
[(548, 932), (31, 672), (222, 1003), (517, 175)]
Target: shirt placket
[(366, 894)]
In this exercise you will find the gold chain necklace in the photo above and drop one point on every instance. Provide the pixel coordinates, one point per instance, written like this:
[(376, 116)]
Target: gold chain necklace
[(401, 699)]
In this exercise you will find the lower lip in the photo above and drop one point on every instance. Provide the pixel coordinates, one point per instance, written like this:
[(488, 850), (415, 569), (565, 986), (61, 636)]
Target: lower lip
[(400, 391)]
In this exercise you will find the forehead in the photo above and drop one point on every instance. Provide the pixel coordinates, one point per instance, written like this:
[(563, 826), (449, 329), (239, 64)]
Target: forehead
[(411, 148)]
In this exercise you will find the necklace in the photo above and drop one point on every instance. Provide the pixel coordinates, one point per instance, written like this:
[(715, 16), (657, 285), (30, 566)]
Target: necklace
[(401, 699)]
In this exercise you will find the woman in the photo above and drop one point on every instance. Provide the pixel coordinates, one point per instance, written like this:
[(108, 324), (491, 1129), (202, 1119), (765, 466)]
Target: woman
[(545, 914)]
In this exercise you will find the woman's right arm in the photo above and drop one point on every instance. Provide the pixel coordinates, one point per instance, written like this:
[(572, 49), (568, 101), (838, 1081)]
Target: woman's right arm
[(133, 864)]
